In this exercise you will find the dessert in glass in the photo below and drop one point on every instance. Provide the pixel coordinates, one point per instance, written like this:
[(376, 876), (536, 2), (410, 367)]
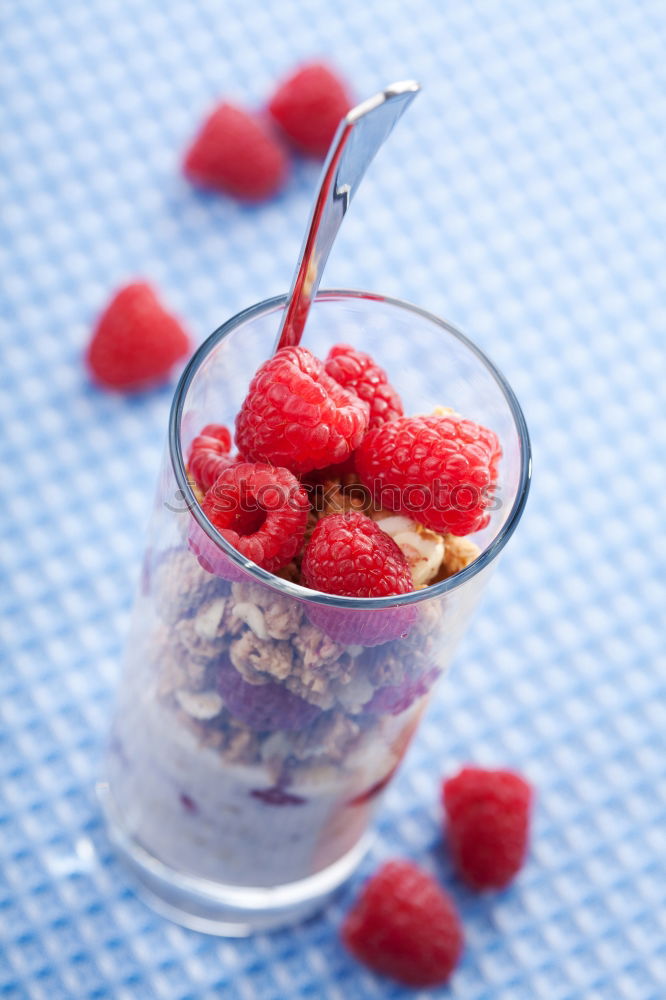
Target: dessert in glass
[(260, 716)]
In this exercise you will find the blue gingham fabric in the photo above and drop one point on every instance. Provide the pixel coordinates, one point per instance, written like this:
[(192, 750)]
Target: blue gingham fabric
[(522, 197)]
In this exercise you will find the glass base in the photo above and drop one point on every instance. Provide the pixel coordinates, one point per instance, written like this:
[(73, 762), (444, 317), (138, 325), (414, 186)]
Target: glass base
[(224, 910)]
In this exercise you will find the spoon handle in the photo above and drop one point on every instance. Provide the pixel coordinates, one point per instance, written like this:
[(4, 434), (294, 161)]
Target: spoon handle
[(359, 137)]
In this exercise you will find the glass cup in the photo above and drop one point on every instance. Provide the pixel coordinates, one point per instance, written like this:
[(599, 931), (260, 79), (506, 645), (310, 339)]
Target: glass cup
[(258, 723)]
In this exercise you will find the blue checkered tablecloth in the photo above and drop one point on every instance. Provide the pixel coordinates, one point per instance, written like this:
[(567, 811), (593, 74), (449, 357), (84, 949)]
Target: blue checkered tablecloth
[(522, 198)]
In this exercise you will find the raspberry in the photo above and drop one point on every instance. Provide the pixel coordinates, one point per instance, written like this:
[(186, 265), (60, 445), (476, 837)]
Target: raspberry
[(262, 706), (392, 699), (220, 433), (488, 817), (350, 555), (345, 472), (136, 341), (308, 106), (297, 416), (405, 926), (357, 372), (260, 510), (209, 455), (438, 470), (235, 153)]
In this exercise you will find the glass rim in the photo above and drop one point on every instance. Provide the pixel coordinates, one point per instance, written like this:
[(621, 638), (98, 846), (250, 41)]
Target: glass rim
[(294, 590)]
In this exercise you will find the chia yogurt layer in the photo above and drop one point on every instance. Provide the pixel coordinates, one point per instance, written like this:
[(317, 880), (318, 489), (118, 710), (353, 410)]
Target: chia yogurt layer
[(248, 747)]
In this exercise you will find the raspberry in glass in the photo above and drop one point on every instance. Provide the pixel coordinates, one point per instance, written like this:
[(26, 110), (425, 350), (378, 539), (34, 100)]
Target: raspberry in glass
[(297, 416), (261, 510), (392, 699), (438, 470), (350, 555), (262, 707), (209, 455), (357, 371)]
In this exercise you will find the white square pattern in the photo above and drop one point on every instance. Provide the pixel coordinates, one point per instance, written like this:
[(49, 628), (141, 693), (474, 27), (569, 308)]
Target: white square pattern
[(522, 198)]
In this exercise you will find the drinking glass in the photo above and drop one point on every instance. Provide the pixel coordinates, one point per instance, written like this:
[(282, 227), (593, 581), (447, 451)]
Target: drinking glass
[(258, 722)]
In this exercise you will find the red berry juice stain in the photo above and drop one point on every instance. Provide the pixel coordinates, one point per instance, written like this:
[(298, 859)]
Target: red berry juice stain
[(188, 804), (277, 797)]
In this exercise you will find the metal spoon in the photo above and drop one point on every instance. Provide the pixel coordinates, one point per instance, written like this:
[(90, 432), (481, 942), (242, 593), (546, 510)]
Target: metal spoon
[(360, 135)]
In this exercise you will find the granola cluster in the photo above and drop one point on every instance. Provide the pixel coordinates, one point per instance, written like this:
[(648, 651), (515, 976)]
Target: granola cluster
[(431, 557), (268, 640)]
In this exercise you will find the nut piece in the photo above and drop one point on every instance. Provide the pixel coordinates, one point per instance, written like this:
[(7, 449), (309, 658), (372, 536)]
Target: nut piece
[(422, 548), (252, 616), (319, 664), (460, 552), (281, 618), (201, 705), (258, 661), (208, 620), (317, 690), (317, 651), (354, 694), (193, 644), (234, 742)]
